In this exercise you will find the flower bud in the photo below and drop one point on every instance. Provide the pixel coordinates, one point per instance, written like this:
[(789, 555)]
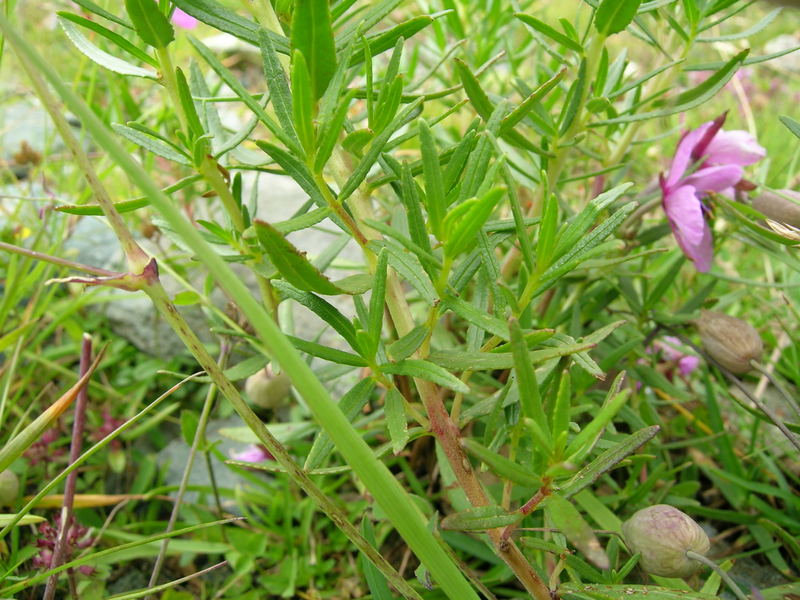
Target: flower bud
[(730, 341), (663, 535), (9, 488), (782, 206), (266, 389)]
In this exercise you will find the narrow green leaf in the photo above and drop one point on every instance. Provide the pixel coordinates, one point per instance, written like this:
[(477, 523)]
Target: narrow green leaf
[(388, 38), (376, 582), (333, 355), (473, 316), (607, 460), (409, 195), (185, 96), (520, 112), (408, 344), (456, 360), (292, 264), (375, 148), (395, 411), (329, 135), (218, 16), (480, 518), (377, 300), (279, 93), (547, 232), (302, 102), (462, 236), (233, 82), (154, 145), (474, 91), (584, 441), (93, 8), (298, 171), (689, 99), (500, 465), (114, 38), (528, 387), (574, 100), (6, 518), (102, 58), (572, 524), (550, 32), (150, 23), (613, 16), (580, 591), (410, 269), (434, 184), (312, 35), (791, 124), (323, 309), (350, 404), (355, 141), (423, 369)]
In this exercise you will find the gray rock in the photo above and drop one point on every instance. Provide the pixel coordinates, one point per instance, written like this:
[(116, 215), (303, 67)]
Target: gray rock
[(176, 454)]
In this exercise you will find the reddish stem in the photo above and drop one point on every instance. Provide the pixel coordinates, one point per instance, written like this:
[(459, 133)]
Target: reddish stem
[(78, 428)]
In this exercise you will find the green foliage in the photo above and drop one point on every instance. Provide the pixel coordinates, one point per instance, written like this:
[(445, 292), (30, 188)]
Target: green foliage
[(439, 241)]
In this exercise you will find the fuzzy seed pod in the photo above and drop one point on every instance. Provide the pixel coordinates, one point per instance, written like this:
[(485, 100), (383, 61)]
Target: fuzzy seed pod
[(267, 390), (9, 488), (730, 341), (774, 206), (662, 534)]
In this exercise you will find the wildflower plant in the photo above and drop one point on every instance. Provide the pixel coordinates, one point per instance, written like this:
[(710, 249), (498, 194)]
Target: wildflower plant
[(485, 384)]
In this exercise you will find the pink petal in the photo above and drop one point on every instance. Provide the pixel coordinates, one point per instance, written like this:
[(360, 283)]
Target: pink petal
[(182, 20), (734, 148), (252, 454), (714, 179), (687, 364), (685, 214), (683, 154)]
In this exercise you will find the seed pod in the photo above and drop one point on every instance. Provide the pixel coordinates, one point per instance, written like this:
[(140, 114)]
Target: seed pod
[(266, 389), (9, 488), (662, 534), (774, 206), (730, 341)]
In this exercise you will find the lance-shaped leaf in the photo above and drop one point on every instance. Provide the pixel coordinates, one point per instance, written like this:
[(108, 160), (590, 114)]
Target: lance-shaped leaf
[(218, 16), (114, 38), (613, 16), (5, 519), (480, 518), (608, 460), (395, 410), (580, 591), (295, 267), (691, 98), (30, 434), (463, 231), (530, 398), (422, 369), (572, 524), (150, 23), (101, 57), (312, 35)]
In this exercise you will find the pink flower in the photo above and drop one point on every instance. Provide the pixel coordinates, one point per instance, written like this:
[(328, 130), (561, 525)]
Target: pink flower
[(673, 356), (725, 153), (252, 454), (182, 20)]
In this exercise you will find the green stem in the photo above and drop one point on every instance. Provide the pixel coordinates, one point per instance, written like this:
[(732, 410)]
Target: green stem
[(719, 571)]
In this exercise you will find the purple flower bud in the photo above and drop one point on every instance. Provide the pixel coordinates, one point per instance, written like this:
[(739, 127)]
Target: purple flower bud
[(663, 535)]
